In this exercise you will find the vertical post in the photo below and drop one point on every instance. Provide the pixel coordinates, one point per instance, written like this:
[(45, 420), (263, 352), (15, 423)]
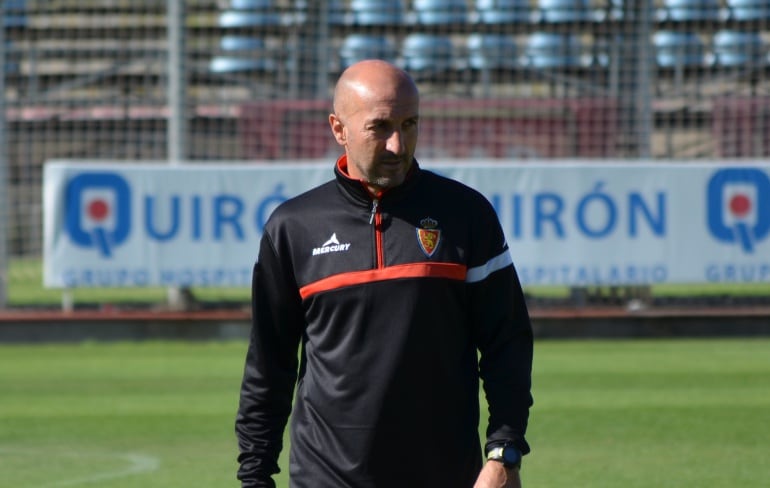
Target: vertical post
[(635, 77), (176, 88), (294, 53), (313, 52), (322, 50), (644, 71), (4, 200), (176, 127)]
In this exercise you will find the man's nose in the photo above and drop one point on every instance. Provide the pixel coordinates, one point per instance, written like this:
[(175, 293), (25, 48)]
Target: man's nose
[(395, 143)]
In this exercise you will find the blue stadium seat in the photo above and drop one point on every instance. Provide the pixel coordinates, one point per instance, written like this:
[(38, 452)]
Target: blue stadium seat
[(241, 43), (242, 54), (602, 52), (357, 47), (335, 13), (679, 49), (615, 9), (250, 13), (15, 5), (439, 12), (12, 66), (377, 12), (14, 21), (222, 65), (551, 50), (746, 10), (503, 11), (737, 48), (690, 11), (492, 52), (250, 4), (427, 53), (564, 11), (15, 14)]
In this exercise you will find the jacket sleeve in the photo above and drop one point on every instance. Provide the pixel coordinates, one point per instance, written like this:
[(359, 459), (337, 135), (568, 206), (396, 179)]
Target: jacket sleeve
[(504, 339), (270, 372)]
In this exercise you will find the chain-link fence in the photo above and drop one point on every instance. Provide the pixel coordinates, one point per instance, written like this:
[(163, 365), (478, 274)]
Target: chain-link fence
[(251, 79)]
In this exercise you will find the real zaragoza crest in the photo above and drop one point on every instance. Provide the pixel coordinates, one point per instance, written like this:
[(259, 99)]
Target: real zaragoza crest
[(428, 236)]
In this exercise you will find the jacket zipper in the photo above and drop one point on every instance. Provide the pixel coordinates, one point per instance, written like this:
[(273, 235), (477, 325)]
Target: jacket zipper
[(376, 218)]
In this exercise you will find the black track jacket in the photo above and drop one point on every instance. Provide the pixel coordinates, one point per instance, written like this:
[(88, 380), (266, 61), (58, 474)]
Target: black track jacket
[(390, 297)]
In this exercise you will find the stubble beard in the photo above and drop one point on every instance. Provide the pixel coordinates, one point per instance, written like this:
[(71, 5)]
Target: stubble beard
[(392, 177)]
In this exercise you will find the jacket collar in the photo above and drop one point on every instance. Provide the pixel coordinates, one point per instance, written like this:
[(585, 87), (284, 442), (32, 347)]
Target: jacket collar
[(357, 190)]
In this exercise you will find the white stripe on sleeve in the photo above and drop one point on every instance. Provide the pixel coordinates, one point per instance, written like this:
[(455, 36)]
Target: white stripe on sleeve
[(480, 273)]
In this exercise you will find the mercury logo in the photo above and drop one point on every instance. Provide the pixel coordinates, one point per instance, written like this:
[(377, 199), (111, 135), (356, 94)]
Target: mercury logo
[(331, 245)]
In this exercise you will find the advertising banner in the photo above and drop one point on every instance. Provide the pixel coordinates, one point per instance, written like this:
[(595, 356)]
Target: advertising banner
[(573, 223)]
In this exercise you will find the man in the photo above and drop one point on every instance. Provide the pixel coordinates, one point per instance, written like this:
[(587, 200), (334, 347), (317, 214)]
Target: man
[(399, 286)]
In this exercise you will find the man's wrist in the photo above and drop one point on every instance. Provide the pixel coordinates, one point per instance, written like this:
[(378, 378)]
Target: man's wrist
[(506, 454)]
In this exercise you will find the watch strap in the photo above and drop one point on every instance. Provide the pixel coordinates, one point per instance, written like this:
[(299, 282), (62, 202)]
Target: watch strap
[(506, 454)]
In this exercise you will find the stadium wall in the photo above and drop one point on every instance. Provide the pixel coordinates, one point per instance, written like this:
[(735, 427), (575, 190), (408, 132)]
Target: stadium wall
[(600, 79)]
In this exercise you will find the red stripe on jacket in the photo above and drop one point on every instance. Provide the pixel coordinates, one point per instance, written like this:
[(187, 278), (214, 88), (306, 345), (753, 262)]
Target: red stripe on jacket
[(450, 271)]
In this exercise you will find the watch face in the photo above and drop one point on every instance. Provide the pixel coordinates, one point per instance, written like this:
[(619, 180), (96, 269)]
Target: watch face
[(511, 455)]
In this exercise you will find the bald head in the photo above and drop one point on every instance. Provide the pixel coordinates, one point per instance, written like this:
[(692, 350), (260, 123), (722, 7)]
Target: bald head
[(369, 81), (376, 114)]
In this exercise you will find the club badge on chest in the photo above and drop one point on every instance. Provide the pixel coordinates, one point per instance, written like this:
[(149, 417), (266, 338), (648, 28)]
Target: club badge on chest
[(428, 236)]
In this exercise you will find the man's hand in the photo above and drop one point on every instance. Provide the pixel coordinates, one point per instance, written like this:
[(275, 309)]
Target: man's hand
[(495, 475)]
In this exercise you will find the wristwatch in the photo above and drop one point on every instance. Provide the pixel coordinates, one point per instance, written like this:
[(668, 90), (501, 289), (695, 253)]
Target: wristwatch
[(507, 454)]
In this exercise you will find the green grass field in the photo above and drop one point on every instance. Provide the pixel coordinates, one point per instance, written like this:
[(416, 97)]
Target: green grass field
[(652, 413)]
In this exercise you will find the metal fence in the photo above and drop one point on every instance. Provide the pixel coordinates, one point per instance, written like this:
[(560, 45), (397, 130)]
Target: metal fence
[(207, 80)]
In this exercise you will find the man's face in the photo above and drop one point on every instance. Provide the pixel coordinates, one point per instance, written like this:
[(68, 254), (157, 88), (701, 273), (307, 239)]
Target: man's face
[(379, 133)]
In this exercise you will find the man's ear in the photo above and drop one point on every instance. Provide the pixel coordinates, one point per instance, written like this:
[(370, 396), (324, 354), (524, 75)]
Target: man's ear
[(338, 129)]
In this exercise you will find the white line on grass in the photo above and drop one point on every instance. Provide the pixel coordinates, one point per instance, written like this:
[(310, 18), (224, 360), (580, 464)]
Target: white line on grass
[(137, 464)]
